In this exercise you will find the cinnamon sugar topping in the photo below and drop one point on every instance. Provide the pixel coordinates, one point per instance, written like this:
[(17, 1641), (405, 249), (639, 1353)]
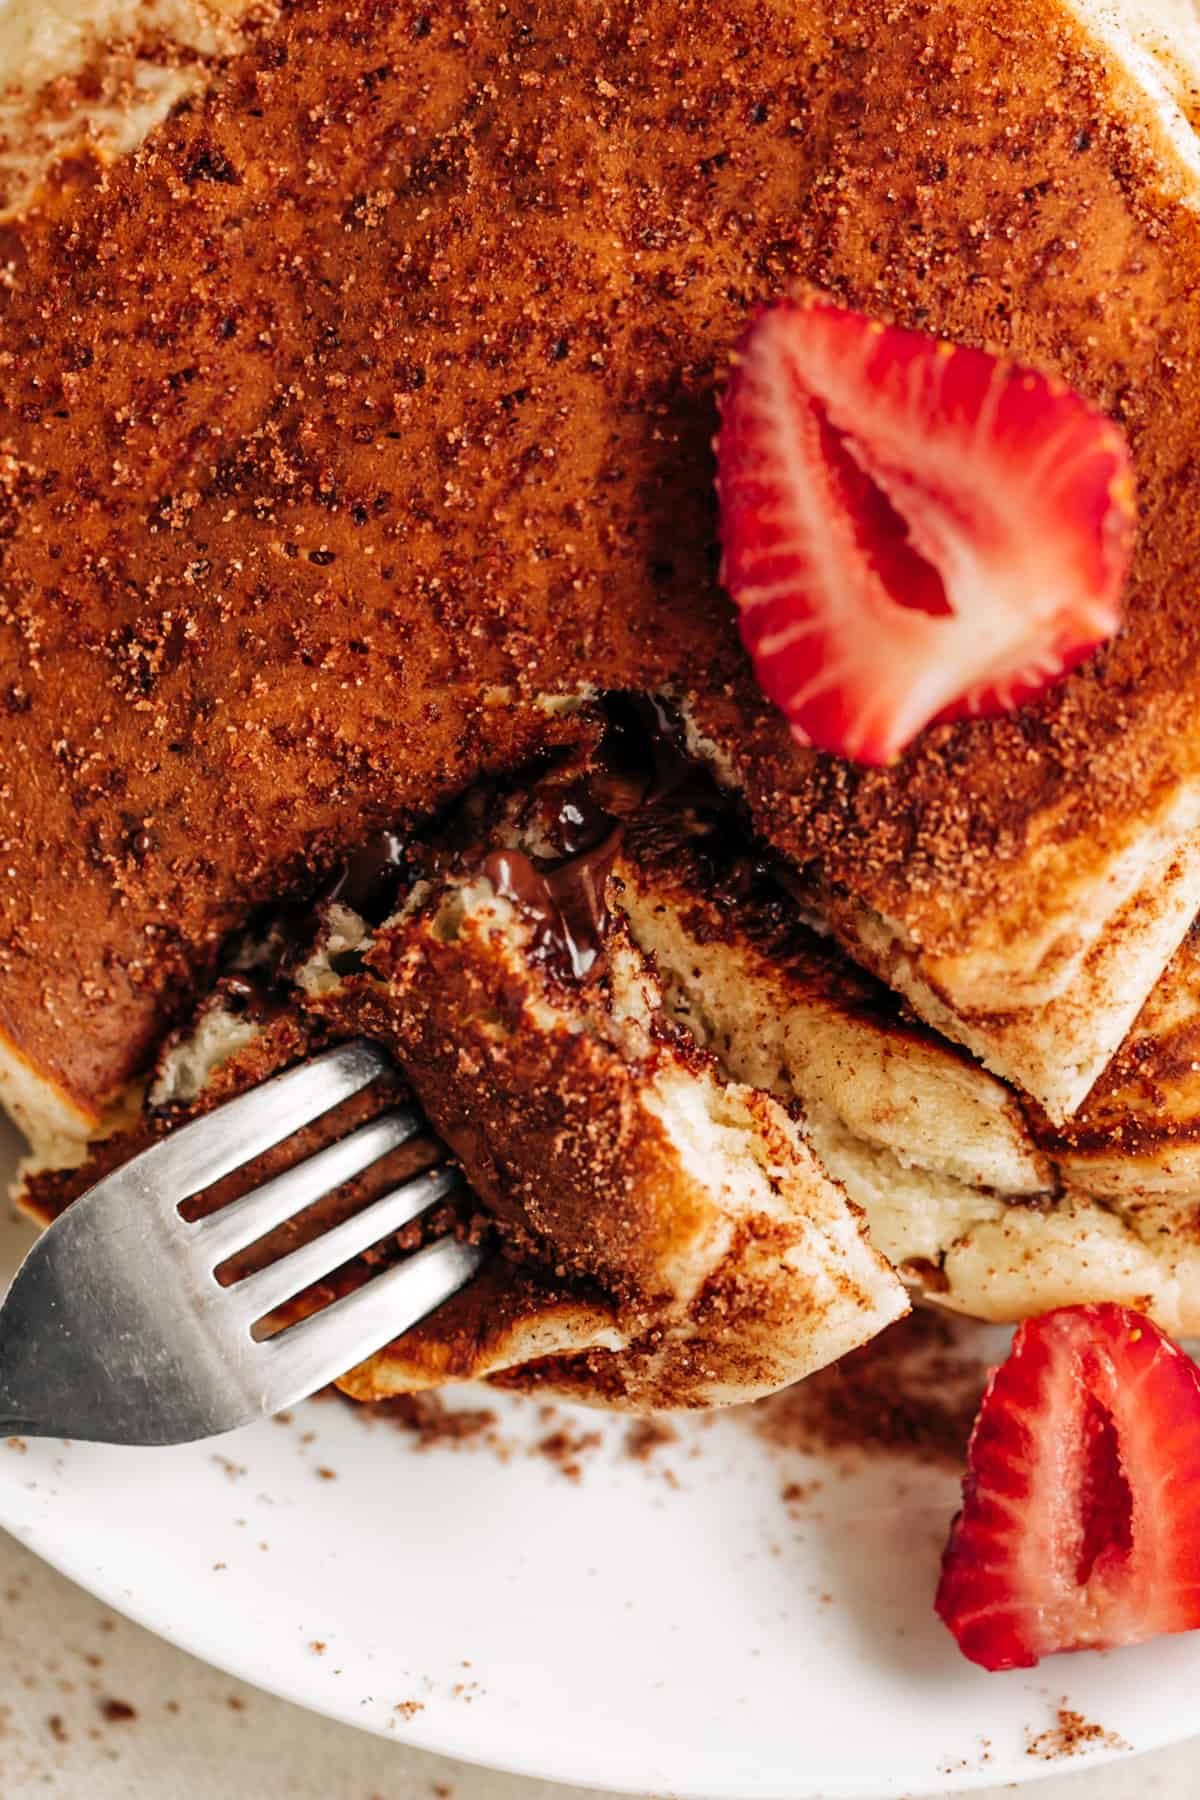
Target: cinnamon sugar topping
[(1071, 1735), (912, 1391), (371, 404)]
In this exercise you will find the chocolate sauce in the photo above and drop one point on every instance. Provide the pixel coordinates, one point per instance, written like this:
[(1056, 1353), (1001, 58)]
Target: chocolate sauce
[(239, 992), (564, 901), (373, 877), (641, 770), (578, 821), (257, 962), (683, 804), (646, 731)]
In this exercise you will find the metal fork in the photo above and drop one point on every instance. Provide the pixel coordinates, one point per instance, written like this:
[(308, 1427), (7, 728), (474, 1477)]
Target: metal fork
[(116, 1328)]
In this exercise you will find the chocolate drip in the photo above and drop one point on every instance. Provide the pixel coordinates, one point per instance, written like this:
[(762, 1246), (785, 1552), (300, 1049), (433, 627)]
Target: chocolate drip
[(564, 901), (373, 877), (579, 822), (683, 806), (641, 775), (646, 733)]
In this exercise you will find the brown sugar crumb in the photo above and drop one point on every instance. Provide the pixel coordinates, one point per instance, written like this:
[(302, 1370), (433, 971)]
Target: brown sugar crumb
[(408, 1709), (563, 1448), (235, 1703), (914, 1390), (1070, 1734), (431, 1422), (442, 1790), (117, 1712), (58, 1730), (317, 1646), (327, 1474), (645, 1436), (799, 1493)]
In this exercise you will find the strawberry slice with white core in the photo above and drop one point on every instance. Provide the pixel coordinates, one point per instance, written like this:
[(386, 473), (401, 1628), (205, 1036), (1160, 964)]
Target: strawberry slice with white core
[(912, 530), (1080, 1525)]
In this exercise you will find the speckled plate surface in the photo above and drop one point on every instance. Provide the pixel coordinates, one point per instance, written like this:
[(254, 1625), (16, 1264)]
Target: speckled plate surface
[(726, 1616)]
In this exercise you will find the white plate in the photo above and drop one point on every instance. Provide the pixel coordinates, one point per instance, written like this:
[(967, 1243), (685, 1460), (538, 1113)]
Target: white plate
[(667, 1626)]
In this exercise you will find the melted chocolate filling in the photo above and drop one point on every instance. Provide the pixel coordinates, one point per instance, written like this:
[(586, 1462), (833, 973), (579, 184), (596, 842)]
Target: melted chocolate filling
[(578, 821), (373, 877), (565, 901), (642, 768), (647, 735)]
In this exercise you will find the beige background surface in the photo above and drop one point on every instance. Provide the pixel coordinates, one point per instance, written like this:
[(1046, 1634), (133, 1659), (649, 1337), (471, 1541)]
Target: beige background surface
[(71, 1670)]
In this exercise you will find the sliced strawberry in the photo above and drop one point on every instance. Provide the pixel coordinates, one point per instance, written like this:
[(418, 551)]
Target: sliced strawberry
[(1080, 1525), (912, 530)]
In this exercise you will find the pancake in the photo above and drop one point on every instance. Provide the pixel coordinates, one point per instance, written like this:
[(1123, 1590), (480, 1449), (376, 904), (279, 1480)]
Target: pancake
[(665, 1238), (982, 1203), (711, 1153), (360, 422), (94, 79)]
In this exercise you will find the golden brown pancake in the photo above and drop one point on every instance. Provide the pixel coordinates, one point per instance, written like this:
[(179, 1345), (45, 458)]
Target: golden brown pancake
[(661, 1237), (983, 1204), (371, 402), (697, 1139)]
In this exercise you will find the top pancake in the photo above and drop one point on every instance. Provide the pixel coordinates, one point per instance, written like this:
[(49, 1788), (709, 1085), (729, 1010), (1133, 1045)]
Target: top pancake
[(371, 402)]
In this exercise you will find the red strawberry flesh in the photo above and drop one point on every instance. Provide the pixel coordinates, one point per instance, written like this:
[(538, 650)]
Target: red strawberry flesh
[(912, 530), (1080, 1525)]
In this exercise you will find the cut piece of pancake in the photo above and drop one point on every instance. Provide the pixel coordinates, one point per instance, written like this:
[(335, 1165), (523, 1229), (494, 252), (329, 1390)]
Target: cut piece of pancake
[(668, 1239), (371, 403), (981, 1202), (669, 1234), (607, 1146)]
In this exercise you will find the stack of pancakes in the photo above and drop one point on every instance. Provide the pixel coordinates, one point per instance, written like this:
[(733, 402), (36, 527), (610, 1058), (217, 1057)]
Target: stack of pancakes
[(355, 427)]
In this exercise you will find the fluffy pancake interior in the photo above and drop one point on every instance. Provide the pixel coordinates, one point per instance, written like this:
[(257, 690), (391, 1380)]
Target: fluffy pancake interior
[(611, 1145), (984, 1206)]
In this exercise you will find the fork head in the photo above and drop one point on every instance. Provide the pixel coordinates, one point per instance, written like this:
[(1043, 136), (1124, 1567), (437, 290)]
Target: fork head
[(116, 1327)]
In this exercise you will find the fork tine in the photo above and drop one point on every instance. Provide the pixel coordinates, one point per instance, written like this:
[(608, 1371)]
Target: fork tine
[(309, 1355), (198, 1154), (260, 1293), (222, 1234)]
